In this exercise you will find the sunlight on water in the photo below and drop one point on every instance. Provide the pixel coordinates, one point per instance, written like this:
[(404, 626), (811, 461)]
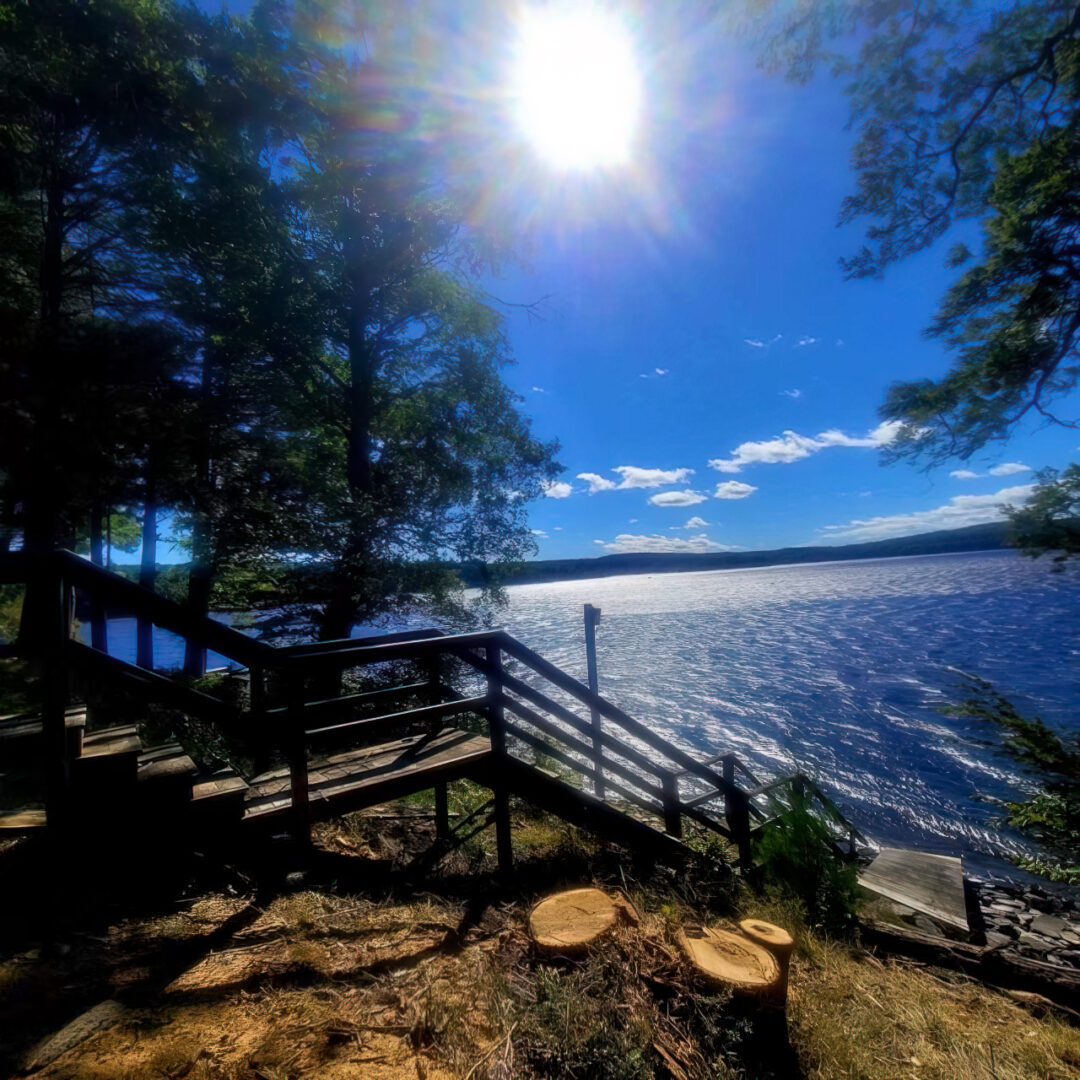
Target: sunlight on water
[(838, 669)]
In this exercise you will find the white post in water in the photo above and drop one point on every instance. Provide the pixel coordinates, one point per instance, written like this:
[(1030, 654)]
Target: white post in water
[(592, 620)]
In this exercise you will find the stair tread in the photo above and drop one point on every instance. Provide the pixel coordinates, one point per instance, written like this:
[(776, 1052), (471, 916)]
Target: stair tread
[(165, 761), (21, 820), (111, 742), (218, 785)]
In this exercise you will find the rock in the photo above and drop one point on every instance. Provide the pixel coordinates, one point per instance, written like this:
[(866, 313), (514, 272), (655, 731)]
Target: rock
[(1071, 936), (997, 941), (1035, 943), (1050, 925), (1006, 905)]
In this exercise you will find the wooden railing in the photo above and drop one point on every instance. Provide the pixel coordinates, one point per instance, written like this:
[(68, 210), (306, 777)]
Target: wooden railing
[(530, 706)]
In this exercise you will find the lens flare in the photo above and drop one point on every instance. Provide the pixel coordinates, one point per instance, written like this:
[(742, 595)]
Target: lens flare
[(576, 87)]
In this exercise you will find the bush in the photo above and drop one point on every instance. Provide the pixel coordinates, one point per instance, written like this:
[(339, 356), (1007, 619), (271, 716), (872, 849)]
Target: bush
[(796, 858)]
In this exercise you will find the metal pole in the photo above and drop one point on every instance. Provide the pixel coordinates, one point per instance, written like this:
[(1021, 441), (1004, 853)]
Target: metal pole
[(592, 618)]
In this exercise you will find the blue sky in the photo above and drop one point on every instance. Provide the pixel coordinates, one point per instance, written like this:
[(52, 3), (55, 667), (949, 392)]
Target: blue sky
[(693, 304), (668, 340)]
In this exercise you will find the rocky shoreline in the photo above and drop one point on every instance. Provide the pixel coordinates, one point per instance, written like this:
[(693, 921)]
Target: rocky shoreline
[(1034, 922)]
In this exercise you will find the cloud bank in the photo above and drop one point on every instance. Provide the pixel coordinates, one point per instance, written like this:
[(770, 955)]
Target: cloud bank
[(627, 543), (959, 511), (633, 477), (791, 446)]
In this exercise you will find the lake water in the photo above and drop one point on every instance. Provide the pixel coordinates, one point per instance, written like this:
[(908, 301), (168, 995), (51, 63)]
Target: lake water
[(839, 669)]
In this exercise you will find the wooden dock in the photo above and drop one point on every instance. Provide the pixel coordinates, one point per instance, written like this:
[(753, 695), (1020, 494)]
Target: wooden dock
[(930, 884)]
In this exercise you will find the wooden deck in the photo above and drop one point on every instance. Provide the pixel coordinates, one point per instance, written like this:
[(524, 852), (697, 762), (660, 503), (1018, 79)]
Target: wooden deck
[(930, 884), (374, 774)]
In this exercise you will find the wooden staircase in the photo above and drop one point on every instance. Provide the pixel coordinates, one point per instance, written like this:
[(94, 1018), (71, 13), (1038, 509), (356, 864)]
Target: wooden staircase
[(429, 708)]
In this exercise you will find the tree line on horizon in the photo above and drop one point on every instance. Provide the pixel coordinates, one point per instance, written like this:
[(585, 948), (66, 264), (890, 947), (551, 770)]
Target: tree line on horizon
[(240, 293)]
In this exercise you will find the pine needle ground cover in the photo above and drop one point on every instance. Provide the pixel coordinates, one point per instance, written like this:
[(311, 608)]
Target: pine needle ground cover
[(440, 980)]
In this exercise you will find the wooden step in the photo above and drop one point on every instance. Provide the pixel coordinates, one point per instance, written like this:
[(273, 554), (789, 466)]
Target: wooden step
[(19, 822), (114, 742), (376, 774), (166, 763)]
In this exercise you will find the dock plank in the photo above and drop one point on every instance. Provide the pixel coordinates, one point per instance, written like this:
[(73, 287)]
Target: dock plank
[(930, 884)]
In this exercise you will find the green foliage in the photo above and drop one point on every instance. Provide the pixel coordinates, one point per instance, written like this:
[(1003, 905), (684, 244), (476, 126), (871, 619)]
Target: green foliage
[(1051, 816), (1050, 520), (796, 859), (961, 111), (562, 1032)]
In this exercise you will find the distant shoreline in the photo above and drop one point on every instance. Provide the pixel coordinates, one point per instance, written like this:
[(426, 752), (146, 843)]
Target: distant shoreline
[(972, 538)]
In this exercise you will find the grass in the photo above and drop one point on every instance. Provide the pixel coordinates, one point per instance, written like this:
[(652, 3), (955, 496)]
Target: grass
[(438, 980)]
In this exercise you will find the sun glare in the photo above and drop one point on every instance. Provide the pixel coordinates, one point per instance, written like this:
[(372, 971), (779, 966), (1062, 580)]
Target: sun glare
[(577, 87)]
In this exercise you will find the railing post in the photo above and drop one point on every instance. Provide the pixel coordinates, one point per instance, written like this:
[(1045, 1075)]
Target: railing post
[(296, 755), (737, 812), (592, 617), (257, 711), (55, 627), (672, 811), (496, 722)]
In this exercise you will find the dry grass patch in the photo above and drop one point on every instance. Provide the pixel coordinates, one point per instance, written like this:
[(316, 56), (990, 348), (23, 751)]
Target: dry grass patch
[(854, 1016)]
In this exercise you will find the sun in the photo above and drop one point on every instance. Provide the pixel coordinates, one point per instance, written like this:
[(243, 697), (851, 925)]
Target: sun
[(576, 87)]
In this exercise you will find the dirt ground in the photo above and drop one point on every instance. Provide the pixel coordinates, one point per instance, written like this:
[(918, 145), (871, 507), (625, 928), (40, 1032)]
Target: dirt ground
[(386, 964)]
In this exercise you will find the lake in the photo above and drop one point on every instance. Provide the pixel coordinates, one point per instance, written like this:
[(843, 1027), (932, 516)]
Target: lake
[(839, 669)]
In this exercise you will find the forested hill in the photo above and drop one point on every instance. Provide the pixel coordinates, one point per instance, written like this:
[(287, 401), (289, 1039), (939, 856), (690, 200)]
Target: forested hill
[(972, 538)]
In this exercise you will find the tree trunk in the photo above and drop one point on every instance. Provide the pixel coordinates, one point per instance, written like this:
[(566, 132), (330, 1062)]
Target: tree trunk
[(148, 569), (99, 626), (200, 582)]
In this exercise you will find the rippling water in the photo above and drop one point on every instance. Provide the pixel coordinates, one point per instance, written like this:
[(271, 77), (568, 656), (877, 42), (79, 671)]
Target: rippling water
[(841, 670)]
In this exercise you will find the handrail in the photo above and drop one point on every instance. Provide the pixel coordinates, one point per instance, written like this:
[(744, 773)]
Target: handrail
[(182, 696), (316, 648), (158, 609), (482, 650), (612, 712)]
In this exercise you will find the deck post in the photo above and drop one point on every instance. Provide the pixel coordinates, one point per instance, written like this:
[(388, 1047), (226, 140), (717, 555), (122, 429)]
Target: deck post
[(257, 709), (442, 812), (672, 811), (296, 755), (592, 619), (54, 627), (496, 721), (737, 812)]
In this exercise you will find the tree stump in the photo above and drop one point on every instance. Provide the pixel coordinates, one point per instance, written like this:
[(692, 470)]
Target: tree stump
[(730, 960), (567, 923), (778, 941)]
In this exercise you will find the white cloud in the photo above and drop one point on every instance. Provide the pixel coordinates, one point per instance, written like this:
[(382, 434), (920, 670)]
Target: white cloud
[(964, 474), (632, 521), (678, 498), (1010, 468), (694, 523), (633, 477), (558, 528), (539, 534), (960, 510), (754, 343), (596, 482), (805, 341), (538, 390), (626, 543), (558, 490), (792, 393), (733, 489), (656, 373), (791, 446)]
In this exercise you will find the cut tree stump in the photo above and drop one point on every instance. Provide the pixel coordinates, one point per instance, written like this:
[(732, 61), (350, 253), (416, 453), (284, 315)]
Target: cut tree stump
[(730, 960), (567, 923), (777, 941)]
